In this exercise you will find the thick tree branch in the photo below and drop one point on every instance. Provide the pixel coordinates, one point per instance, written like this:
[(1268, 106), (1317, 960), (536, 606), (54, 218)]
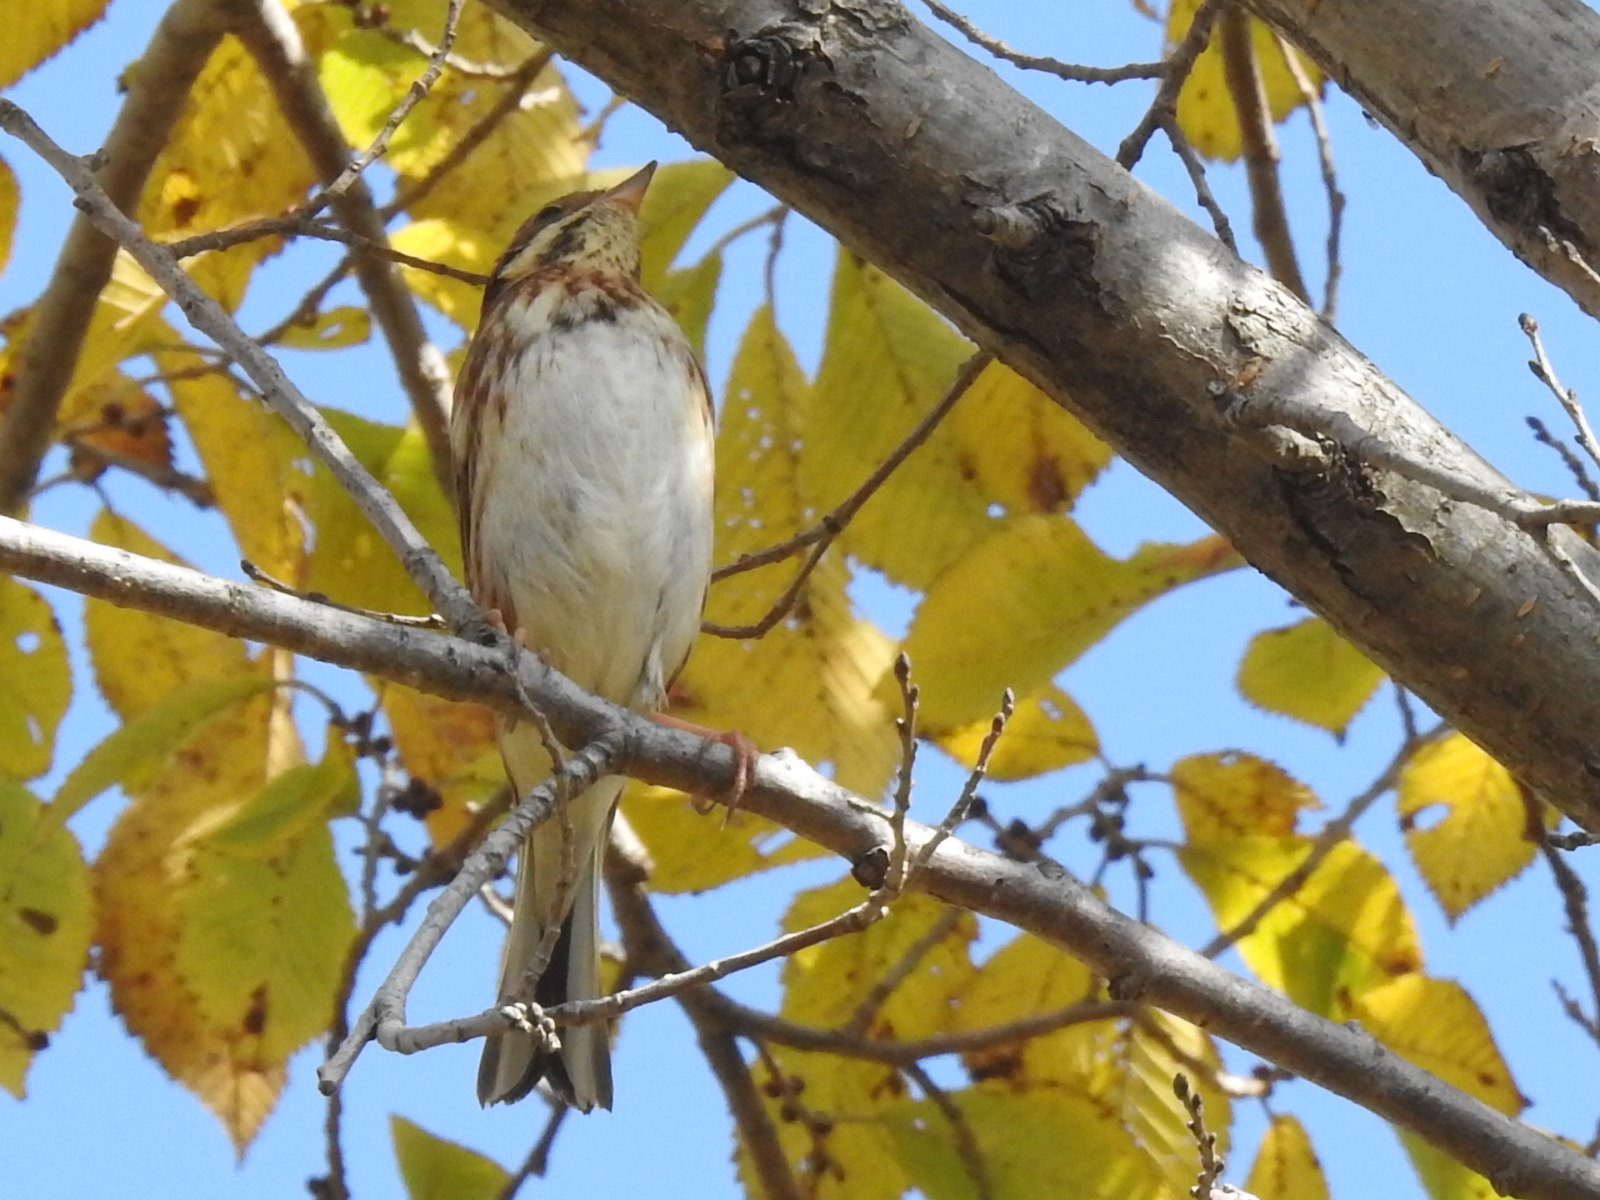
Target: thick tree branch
[(158, 85), (1072, 272), (1140, 963), (1499, 98)]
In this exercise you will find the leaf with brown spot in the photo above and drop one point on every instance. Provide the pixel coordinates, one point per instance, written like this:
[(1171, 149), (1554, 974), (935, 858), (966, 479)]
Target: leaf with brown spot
[(45, 926)]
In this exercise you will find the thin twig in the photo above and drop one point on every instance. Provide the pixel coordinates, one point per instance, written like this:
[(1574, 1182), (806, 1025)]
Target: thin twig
[(1038, 62), (1175, 70), (1330, 175), (444, 593), (415, 94), (409, 191), (822, 534), (1179, 142), (966, 1144), (1544, 371), (42, 362), (1575, 466), (1331, 834), (256, 575), (384, 1017)]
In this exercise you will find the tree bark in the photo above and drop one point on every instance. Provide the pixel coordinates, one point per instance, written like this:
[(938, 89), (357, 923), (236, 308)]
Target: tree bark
[(1497, 97), (1203, 372)]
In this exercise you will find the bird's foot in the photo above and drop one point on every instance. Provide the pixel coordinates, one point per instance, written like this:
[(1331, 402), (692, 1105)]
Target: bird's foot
[(745, 754)]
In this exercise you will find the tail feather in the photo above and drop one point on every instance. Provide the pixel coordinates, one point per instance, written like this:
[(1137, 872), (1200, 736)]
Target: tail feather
[(580, 1072)]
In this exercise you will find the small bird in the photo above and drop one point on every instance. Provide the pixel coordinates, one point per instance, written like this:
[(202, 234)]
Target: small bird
[(582, 434)]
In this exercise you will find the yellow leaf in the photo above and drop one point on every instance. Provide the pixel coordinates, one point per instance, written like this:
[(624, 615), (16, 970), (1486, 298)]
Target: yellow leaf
[(223, 950), (334, 329), (694, 852), (1308, 672), (258, 469), (1442, 1177), (140, 659), (852, 1156), (35, 680), (678, 198), (1026, 978), (1434, 1024), (1038, 1146), (887, 360), (1026, 601), (810, 681), (1024, 451), (1344, 931), (45, 923), (351, 562), (434, 1168), (36, 32), (1286, 1167), (1231, 793), (1156, 1049), (534, 153), (231, 158), (447, 745), (1206, 111), (825, 984), (1048, 731), (10, 200), (440, 240), (1476, 822)]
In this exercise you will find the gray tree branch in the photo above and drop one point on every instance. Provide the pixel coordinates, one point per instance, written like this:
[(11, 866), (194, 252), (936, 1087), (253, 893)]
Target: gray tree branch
[(1499, 98), (1047, 254), (1140, 963)]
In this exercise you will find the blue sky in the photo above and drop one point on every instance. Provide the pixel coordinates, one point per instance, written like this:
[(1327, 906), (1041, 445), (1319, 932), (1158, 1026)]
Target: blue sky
[(1427, 294)]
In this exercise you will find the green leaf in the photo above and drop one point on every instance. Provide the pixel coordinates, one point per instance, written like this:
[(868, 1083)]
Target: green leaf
[(35, 681), (45, 928), (435, 1168), (135, 753)]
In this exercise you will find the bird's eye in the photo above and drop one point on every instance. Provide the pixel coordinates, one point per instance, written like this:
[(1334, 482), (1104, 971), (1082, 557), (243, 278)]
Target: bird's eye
[(547, 214)]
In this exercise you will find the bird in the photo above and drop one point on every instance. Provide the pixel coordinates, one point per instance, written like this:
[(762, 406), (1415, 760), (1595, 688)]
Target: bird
[(582, 433)]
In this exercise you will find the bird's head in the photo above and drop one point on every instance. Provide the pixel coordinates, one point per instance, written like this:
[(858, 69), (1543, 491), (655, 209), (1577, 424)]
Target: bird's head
[(586, 231)]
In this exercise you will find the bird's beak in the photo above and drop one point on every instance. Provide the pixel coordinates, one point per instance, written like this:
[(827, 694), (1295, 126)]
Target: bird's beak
[(630, 191)]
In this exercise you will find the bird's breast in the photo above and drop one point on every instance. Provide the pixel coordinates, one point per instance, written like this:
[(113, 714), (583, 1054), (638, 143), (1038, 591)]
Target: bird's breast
[(593, 495)]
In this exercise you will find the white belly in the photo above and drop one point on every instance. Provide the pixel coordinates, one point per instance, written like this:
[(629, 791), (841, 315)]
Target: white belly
[(604, 548)]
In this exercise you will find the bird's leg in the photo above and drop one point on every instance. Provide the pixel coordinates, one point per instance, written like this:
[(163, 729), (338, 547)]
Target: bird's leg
[(745, 753)]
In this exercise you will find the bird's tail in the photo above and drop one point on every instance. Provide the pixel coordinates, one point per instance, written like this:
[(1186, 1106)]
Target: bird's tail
[(580, 1071)]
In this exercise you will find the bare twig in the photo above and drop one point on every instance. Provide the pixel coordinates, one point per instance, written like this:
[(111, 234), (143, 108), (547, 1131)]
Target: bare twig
[(1197, 176), (274, 41), (967, 1148), (1330, 175), (1331, 834), (822, 534), (409, 191), (1175, 70), (256, 575), (1575, 466), (446, 595), (1242, 71), (384, 1017), (415, 94), (1038, 62), (1544, 371)]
